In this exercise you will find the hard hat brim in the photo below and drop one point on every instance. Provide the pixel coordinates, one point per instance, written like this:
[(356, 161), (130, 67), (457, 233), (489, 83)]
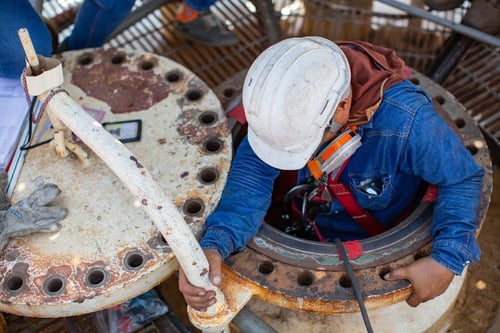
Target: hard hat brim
[(278, 158)]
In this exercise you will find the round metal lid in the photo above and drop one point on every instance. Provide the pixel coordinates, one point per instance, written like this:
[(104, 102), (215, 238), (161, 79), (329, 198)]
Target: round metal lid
[(108, 249)]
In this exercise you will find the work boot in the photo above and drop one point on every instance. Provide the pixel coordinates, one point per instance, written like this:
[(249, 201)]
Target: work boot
[(484, 15), (443, 4), (203, 27)]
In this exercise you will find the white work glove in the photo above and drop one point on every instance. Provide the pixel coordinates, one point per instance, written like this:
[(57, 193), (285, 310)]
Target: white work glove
[(31, 215)]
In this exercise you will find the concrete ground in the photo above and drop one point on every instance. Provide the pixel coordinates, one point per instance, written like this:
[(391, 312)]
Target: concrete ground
[(477, 308)]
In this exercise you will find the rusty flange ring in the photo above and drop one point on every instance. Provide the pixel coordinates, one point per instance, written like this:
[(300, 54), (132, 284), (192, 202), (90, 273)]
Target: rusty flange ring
[(307, 275), (108, 249)]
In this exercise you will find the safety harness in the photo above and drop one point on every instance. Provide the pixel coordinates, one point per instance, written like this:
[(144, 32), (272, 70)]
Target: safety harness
[(325, 167)]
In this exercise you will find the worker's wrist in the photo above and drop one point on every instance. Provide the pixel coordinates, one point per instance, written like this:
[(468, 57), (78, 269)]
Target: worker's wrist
[(456, 255)]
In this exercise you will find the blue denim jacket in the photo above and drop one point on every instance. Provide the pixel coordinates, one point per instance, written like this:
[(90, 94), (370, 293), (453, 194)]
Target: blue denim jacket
[(405, 142)]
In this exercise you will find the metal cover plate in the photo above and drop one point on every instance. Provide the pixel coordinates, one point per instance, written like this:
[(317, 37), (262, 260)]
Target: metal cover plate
[(108, 249)]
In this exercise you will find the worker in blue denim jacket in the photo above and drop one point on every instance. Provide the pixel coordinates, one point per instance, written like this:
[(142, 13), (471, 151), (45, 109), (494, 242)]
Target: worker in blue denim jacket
[(343, 114)]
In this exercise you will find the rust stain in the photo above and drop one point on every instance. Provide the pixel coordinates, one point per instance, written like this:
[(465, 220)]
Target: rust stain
[(137, 163), (12, 255), (123, 89), (188, 219), (188, 126)]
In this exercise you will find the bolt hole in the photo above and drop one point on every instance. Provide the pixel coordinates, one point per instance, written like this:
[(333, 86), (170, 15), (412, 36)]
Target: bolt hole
[(229, 92), (85, 59), (14, 283), (118, 58), (54, 285), (267, 267), (305, 278), (414, 81), (440, 99), (383, 272), (212, 145), (134, 260), (208, 118), (173, 76), (194, 95), (345, 281), (96, 276), (146, 65), (472, 149), (193, 207), (209, 175), (420, 255), (460, 122)]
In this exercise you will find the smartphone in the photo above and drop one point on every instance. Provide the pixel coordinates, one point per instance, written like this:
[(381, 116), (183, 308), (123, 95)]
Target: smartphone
[(125, 131)]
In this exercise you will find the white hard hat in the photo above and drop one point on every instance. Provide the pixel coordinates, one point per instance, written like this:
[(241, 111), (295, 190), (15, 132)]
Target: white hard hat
[(290, 94)]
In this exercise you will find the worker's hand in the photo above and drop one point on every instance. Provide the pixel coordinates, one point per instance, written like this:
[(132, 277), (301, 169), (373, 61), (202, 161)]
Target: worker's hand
[(199, 298), (428, 278), (32, 215)]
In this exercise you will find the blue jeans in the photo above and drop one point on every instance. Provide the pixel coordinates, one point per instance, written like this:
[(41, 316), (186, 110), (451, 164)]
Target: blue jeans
[(15, 15), (95, 21)]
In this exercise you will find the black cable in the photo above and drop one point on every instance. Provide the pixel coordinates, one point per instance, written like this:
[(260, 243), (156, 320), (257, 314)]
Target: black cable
[(26, 145), (355, 285)]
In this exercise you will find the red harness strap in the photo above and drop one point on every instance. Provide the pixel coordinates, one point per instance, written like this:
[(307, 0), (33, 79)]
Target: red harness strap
[(370, 224), (353, 248)]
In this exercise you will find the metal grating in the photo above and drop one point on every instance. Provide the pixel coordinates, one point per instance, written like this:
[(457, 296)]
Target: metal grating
[(416, 40), (154, 33), (476, 84), (474, 81)]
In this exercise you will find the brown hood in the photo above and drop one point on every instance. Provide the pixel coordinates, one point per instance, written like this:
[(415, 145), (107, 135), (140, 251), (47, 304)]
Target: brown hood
[(373, 70)]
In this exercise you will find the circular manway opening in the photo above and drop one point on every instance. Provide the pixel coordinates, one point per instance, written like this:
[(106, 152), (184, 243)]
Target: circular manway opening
[(293, 242), (293, 264)]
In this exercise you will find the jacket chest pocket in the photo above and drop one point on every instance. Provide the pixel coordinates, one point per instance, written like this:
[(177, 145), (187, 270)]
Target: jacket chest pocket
[(374, 191)]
